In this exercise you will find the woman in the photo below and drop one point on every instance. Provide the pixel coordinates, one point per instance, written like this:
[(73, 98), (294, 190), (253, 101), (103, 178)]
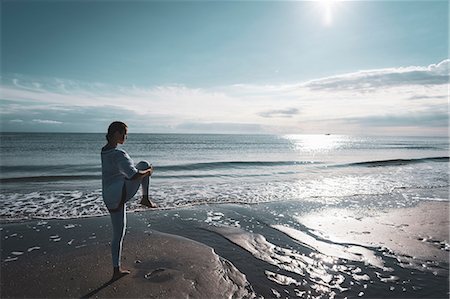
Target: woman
[(120, 181)]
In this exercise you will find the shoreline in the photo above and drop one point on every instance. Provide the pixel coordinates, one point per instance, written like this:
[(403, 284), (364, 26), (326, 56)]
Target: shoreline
[(264, 250)]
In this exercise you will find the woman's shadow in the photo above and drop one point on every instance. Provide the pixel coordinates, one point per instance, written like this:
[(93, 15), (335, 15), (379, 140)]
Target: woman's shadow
[(106, 284)]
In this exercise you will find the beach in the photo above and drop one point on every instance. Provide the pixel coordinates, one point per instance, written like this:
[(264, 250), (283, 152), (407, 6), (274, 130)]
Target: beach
[(293, 149), (240, 216), (238, 149), (270, 250)]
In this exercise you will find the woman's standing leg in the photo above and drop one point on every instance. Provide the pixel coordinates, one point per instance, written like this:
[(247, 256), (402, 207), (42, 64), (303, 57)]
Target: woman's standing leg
[(119, 225)]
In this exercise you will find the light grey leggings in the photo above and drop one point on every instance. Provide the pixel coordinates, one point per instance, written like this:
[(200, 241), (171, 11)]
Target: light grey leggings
[(119, 217)]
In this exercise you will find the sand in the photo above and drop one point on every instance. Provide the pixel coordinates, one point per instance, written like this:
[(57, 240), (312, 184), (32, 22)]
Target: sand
[(162, 266), (272, 250)]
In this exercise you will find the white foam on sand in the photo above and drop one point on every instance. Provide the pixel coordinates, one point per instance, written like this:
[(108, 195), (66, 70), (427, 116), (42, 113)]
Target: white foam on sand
[(219, 219), (416, 237), (66, 204), (348, 252), (53, 204), (345, 248), (317, 271)]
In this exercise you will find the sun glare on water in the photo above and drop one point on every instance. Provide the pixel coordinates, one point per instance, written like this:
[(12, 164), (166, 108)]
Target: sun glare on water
[(315, 143)]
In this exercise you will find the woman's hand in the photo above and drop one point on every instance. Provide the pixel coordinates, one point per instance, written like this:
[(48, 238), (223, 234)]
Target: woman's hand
[(150, 170), (143, 173), (147, 172)]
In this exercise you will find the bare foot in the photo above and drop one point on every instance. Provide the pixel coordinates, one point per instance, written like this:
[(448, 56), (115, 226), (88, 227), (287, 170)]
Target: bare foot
[(118, 273), (145, 201)]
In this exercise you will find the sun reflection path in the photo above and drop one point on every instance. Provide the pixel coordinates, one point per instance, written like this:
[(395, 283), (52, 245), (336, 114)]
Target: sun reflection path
[(316, 143)]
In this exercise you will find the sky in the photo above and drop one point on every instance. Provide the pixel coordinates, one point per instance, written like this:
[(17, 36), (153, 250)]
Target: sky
[(277, 67)]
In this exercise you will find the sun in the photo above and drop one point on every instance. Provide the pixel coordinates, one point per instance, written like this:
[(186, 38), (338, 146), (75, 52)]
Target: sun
[(327, 8)]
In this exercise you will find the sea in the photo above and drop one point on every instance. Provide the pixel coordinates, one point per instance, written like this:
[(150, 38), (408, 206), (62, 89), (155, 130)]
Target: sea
[(58, 175)]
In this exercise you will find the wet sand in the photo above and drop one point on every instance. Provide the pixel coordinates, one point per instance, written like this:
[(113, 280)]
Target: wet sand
[(419, 233), (72, 259), (272, 250)]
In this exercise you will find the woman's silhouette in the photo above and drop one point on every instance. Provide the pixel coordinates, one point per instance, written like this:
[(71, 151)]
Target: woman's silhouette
[(120, 181)]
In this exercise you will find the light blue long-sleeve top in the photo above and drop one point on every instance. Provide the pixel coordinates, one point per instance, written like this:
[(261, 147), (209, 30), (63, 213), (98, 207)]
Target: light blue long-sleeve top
[(117, 166)]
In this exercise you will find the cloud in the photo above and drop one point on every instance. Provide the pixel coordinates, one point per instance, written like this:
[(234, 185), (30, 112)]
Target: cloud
[(434, 74), (47, 121), (56, 85), (174, 100), (288, 112), (417, 124), (407, 99), (224, 128), (424, 119), (427, 97), (57, 118)]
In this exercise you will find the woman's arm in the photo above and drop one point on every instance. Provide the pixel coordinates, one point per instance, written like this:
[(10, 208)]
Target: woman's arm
[(127, 168), (142, 173)]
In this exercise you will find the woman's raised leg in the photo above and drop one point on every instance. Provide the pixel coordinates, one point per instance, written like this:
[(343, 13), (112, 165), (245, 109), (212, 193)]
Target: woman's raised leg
[(133, 186)]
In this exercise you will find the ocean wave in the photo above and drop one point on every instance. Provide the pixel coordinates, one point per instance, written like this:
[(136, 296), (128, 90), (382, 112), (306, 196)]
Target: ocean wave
[(169, 167), (66, 178), (50, 178), (230, 164), (91, 172), (239, 169), (396, 162), (414, 147), (46, 167)]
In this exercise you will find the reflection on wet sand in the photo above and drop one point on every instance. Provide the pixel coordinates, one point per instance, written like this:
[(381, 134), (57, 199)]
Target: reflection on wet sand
[(416, 237), (312, 274), (332, 257)]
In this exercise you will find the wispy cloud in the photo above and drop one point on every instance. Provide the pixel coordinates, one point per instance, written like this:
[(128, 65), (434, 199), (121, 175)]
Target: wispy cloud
[(47, 121), (428, 97), (413, 100), (425, 119), (434, 74), (231, 128), (288, 112)]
